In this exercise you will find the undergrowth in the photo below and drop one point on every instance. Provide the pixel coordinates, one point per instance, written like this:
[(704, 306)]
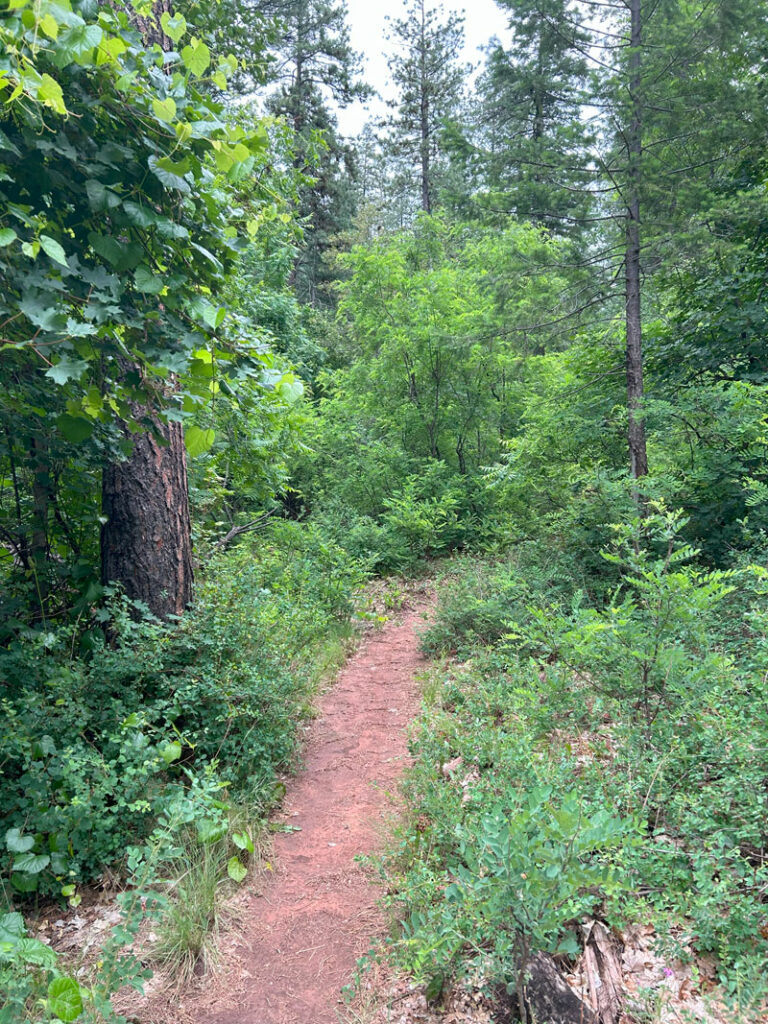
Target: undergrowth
[(590, 758), (120, 735)]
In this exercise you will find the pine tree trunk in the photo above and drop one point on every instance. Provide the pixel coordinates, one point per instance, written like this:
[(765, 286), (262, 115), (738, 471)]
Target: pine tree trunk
[(426, 196), (638, 456), (146, 542)]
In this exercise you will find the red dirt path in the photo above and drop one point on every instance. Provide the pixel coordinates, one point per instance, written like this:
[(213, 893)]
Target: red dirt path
[(319, 914)]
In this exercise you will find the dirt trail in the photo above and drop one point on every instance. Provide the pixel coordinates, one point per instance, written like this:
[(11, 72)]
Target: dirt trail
[(319, 914)]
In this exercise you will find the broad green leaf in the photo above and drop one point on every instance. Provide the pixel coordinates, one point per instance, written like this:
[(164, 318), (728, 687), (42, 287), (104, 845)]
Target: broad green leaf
[(138, 215), (65, 15), (243, 841), (126, 81), (171, 752), (67, 369), (198, 440), (165, 109), (236, 869), (32, 863), (5, 143), (122, 255), (78, 329), (17, 843), (196, 57), (92, 402), (212, 315), (223, 157), (169, 173), (210, 831), (35, 952), (110, 50), (49, 26), (11, 928), (146, 281), (174, 27), (49, 93), (170, 229), (24, 882), (52, 248), (41, 315), (77, 42), (74, 428), (64, 999), (7, 235), (290, 389), (99, 196), (208, 255)]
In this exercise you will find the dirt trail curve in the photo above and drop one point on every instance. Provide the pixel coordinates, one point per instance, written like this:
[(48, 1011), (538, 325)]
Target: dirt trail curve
[(318, 915)]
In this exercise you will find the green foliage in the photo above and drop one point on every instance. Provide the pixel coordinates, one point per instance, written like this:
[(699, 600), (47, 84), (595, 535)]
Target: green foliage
[(33, 974), (441, 336), (520, 875), (127, 199), (91, 744), (317, 64), (526, 871), (127, 206), (531, 132), (648, 701), (476, 603), (648, 647), (30, 976), (506, 851), (425, 71)]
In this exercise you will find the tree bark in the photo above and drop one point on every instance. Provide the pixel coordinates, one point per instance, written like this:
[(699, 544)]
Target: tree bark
[(146, 542), (638, 455), (149, 27)]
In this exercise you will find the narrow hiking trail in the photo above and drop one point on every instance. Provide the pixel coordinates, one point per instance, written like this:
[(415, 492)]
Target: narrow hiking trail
[(302, 934)]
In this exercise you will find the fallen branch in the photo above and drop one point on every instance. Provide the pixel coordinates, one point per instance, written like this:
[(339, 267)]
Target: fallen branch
[(602, 965), (237, 530)]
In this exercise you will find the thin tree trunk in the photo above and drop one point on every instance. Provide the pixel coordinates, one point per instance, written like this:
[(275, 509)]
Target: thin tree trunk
[(638, 456), (146, 542), (41, 497), (426, 196), (41, 501)]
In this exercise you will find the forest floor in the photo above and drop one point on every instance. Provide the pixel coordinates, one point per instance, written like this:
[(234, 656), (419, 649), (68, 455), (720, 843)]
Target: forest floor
[(302, 930), (297, 929)]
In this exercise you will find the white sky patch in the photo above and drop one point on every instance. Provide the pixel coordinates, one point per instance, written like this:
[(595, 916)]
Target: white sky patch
[(368, 31)]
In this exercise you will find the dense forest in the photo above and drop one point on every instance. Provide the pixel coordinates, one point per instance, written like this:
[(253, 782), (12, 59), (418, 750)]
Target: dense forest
[(512, 336)]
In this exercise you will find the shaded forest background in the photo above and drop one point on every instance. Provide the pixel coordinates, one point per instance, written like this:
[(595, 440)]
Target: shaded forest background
[(249, 364)]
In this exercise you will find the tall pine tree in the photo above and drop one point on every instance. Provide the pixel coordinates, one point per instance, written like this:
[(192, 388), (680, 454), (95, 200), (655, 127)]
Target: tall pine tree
[(682, 100), (532, 132), (425, 70), (316, 66)]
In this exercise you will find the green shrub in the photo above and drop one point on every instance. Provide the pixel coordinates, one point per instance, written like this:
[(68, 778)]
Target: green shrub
[(652, 703), (91, 744), (475, 605)]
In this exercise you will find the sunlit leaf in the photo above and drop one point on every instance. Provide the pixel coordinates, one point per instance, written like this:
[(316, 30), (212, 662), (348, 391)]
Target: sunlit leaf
[(198, 441), (64, 999), (236, 869)]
